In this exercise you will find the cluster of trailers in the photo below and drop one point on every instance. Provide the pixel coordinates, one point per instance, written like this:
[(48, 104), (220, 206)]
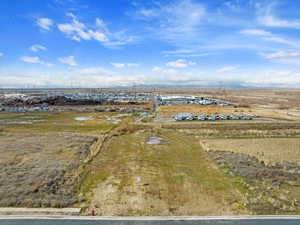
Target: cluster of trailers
[(202, 117)]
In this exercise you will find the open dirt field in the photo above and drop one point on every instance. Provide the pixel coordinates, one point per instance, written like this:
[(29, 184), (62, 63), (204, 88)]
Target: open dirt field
[(269, 150), (175, 177)]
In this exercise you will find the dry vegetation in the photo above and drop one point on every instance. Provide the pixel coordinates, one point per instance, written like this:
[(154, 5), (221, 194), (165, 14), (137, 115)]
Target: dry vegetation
[(42, 159), (269, 170), (269, 150), (177, 177), (43, 155), (40, 170)]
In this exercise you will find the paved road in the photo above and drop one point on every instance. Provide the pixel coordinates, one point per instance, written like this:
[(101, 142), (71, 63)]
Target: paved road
[(149, 222)]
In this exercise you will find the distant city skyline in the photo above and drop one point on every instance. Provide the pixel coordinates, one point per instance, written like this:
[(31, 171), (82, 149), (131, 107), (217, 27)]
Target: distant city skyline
[(124, 43)]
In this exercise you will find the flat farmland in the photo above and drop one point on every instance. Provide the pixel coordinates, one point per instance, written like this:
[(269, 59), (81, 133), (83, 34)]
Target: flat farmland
[(269, 150)]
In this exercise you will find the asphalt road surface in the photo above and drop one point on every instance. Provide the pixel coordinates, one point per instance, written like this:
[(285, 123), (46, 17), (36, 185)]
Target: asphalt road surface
[(149, 222)]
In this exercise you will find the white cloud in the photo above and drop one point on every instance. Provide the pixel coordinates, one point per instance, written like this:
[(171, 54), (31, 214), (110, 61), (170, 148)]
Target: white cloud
[(94, 71), (1, 54), (283, 54), (34, 60), (267, 17), (164, 70), (283, 41), (101, 77), (258, 32), (278, 78), (268, 36), (133, 64), (228, 68), (44, 23), (118, 65), (187, 53), (69, 60), (284, 57), (234, 5), (180, 63), (36, 48), (28, 59), (76, 30), (156, 69), (122, 65)]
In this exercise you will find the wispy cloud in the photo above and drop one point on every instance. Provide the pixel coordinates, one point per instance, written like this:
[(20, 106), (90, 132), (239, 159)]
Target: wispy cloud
[(36, 48), (122, 65), (268, 36), (228, 68), (165, 71), (172, 22), (1, 54), (285, 57), (118, 65), (44, 23), (283, 41), (34, 60), (94, 71), (258, 32), (283, 54), (69, 60), (188, 53), (133, 64), (268, 18), (180, 63)]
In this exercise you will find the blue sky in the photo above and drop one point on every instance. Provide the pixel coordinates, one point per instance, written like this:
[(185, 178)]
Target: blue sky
[(89, 43)]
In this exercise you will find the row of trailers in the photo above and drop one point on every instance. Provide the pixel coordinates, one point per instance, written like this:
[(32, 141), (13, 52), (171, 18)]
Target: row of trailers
[(190, 117)]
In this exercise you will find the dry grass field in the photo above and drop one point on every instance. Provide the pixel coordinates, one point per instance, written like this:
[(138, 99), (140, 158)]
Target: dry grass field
[(40, 122), (269, 150), (41, 170), (176, 177), (45, 159), (43, 155)]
